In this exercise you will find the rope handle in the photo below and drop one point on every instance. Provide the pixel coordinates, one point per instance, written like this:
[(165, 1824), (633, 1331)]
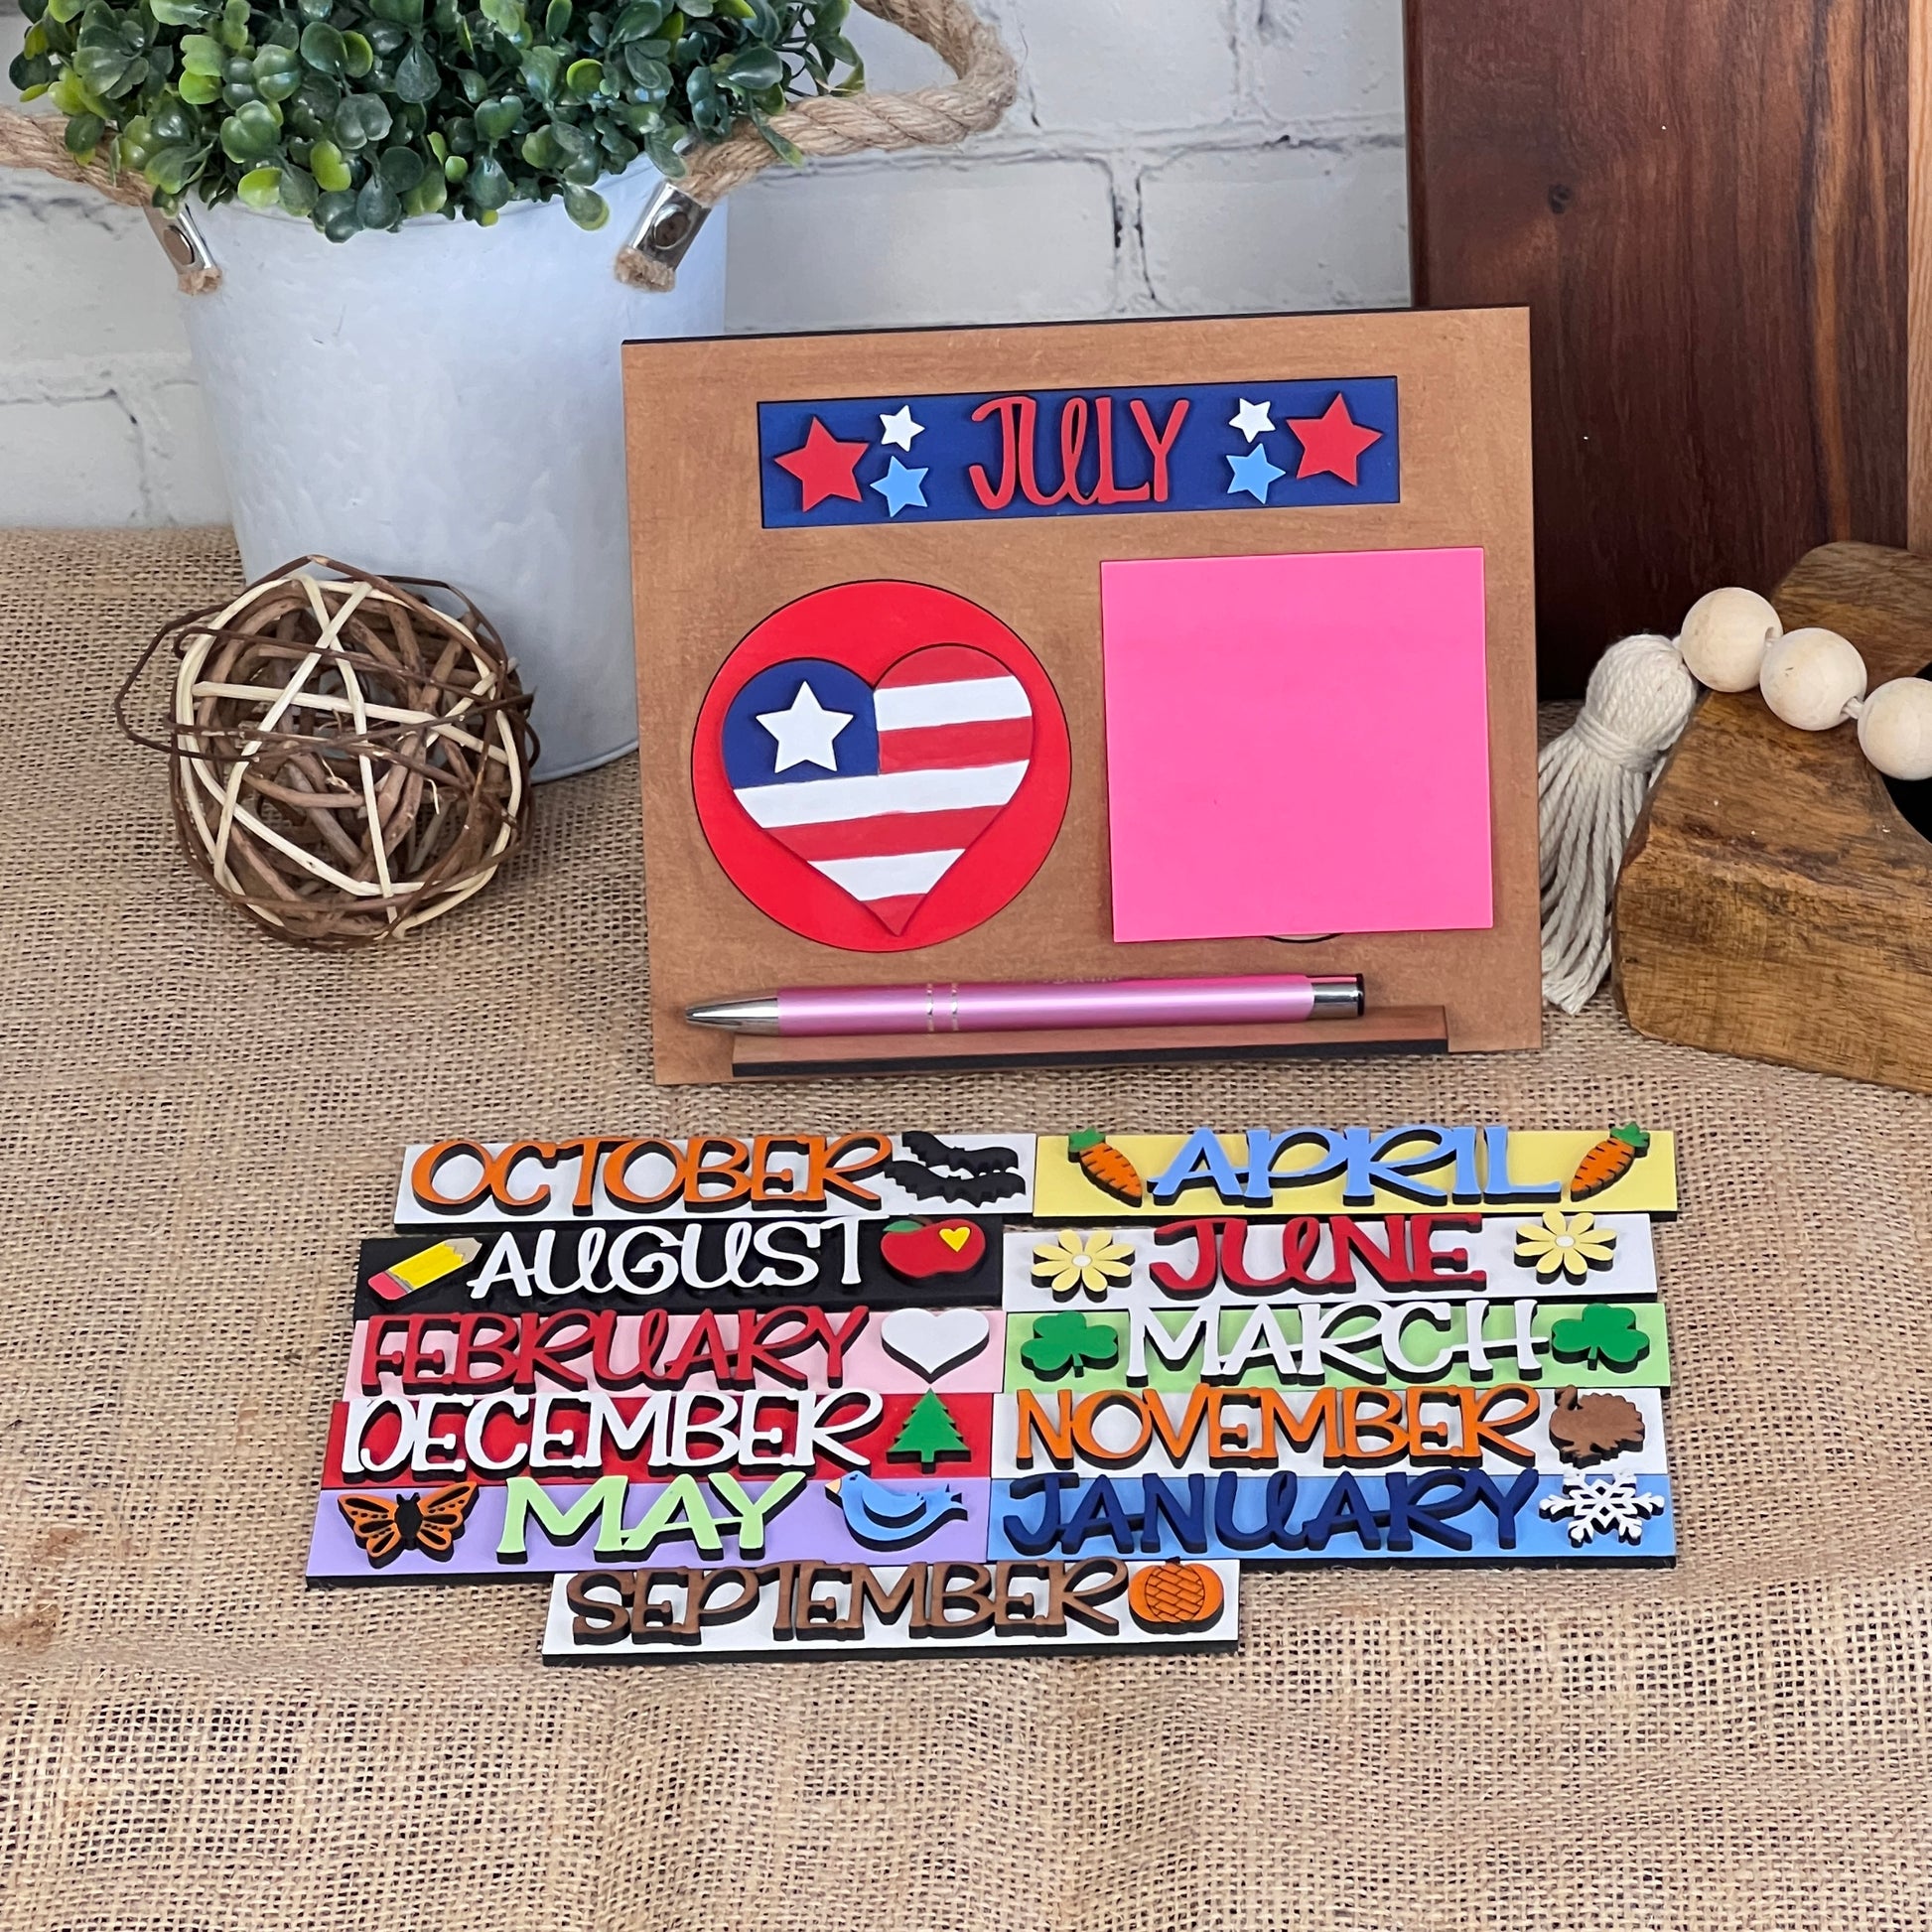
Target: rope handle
[(37, 141), (985, 81)]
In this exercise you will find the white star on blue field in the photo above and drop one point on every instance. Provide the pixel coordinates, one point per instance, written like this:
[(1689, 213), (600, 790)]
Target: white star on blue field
[(806, 731), (1251, 419), (899, 428), (1251, 473), (900, 486)]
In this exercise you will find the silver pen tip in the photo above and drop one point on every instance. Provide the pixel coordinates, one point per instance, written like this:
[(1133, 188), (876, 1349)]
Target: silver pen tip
[(737, 1016)]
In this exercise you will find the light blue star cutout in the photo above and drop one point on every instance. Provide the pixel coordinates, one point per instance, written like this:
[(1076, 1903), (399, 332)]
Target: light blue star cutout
[(1251, 473), (900, 485)]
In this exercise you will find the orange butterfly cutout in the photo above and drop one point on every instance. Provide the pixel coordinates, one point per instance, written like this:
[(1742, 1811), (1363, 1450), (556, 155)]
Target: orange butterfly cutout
[(386, 1526)]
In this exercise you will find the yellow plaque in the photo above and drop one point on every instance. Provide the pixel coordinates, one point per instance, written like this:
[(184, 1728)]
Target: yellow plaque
[(1359, 1170)]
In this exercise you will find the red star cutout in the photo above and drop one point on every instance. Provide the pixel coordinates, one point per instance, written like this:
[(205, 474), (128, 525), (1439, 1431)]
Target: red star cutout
[(1332, 443), (824, 465)]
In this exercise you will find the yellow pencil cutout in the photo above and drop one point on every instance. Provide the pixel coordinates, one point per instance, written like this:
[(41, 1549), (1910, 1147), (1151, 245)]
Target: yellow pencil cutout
[(426, 1265)]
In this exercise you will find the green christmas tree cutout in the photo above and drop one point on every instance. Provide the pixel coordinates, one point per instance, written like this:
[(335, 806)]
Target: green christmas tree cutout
[(1070, 1341), (929, 1434), (1603, 1335)]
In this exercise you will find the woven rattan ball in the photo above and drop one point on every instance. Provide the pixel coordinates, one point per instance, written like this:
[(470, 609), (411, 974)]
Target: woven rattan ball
[(349, 761)]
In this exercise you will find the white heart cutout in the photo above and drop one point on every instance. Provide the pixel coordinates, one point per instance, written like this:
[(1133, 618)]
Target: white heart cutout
[(934, 1341)]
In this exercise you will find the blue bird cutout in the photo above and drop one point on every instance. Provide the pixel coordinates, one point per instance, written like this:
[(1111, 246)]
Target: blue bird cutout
[(889, 1516)]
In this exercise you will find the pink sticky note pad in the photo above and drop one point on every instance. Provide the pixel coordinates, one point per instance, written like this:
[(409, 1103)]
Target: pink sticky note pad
[(1297, 745)]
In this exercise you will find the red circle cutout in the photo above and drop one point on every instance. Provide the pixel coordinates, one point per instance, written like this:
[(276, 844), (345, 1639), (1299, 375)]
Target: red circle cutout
[(868, 628)]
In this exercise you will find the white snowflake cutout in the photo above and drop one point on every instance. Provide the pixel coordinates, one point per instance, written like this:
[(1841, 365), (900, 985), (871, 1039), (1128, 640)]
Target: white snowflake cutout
[(1600, 1505)]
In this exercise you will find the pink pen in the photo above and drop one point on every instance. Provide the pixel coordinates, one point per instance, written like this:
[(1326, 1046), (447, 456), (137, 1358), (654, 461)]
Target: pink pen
[(943, 1008)]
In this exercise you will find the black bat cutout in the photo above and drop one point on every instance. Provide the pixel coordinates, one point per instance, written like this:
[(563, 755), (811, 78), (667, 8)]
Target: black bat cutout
[(974, 1190), (937, 1152)]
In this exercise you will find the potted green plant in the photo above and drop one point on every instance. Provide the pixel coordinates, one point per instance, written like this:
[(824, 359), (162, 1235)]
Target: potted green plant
[(404, 321)]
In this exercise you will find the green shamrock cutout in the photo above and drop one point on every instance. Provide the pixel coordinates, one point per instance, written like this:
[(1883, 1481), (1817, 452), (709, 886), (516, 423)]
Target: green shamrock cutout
[(1070, 1341), (1603, 1335)]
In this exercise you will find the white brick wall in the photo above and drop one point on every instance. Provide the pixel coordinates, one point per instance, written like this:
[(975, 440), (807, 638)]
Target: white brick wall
[(1165, 157)]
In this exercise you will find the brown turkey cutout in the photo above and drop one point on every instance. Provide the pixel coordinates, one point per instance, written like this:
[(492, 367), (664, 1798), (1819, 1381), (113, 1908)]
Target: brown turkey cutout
[(1591, 1428)]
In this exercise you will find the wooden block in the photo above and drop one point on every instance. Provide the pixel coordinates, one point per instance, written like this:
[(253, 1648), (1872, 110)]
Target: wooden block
[(1290, 1344), (463, 1359), (1471, 1515), (1391, 1029), (651, 1436), (1775, 902), (1704, 207), (768, 1176), (918, 1262), (1312, 1432), (1322, 1171), (1229, 1262), (517, 1525), (841, 1610)]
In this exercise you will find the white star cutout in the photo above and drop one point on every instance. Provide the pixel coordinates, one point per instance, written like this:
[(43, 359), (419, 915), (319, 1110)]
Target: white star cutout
[(1251, 419), (899, 428), (805, 731)]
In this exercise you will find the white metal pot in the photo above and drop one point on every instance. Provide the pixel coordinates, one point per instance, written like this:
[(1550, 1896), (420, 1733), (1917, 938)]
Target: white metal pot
[(445, 402)]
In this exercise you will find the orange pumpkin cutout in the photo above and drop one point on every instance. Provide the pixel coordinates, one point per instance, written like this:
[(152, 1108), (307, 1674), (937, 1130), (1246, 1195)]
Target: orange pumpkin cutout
[(1175, 1595)]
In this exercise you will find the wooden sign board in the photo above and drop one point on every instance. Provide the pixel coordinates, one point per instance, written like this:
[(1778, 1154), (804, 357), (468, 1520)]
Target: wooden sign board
[(1227, 1262), (783, 1611), (931, 535)]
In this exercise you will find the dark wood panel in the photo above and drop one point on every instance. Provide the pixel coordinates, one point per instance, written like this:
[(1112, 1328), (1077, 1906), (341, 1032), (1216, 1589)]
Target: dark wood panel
[(1704, 203)]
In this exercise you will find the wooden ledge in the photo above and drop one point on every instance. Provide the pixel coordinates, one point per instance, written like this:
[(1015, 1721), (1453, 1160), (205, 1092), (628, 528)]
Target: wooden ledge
[(1392, 1030)]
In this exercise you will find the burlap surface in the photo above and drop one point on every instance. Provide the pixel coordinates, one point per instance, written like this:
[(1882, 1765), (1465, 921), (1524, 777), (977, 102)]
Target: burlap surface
[(197, 1125)]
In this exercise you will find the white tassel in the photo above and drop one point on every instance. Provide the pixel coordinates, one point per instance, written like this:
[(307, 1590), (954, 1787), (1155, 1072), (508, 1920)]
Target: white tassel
[(1591, 786)]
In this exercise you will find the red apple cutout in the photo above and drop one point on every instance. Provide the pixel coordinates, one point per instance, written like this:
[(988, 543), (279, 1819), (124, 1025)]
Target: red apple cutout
[(916, 1251)]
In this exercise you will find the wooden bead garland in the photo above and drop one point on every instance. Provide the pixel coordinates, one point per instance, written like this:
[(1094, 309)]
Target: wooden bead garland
[(1810, 678), (1895, 729), (349, 761), (1813, 679), (1724, 639)]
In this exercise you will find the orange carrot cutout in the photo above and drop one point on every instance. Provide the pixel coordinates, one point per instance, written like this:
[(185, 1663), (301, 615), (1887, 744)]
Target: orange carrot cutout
[(1608, 1162), (1106, 1167)]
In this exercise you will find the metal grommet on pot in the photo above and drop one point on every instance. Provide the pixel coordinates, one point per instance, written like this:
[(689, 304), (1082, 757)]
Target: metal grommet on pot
[(669, 226), (182, 240)]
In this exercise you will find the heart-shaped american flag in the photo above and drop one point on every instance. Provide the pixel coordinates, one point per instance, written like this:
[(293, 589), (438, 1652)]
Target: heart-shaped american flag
[(881, 787)]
